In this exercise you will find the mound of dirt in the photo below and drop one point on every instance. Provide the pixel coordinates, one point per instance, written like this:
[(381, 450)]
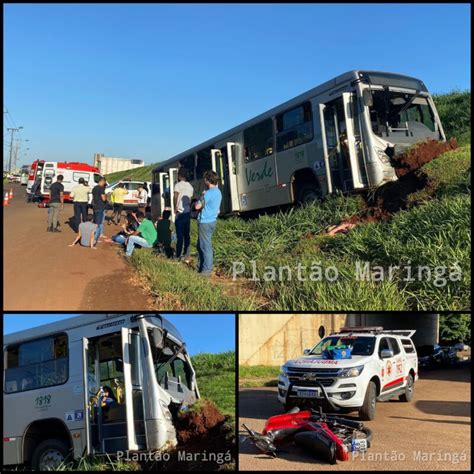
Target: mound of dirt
[(195, 423), (417, 156), (393, 196), (206, 442)]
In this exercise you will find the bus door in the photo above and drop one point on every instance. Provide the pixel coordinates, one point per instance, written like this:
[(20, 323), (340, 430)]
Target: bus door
[(220, 165), (164, 191), (224, 164), (339, 145), (173, 179), (114, 393)]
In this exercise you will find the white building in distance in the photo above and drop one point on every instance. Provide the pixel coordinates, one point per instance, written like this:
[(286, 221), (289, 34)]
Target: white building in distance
[(109, 164)]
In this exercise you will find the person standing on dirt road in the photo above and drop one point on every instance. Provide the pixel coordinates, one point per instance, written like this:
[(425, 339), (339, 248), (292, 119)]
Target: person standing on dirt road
[(183, 193), (118, 196), (80, 195), (99, 205), (56, 204), (209, 205)]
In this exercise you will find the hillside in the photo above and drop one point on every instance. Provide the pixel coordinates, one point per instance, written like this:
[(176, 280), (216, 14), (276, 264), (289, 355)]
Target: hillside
[(454, 109)]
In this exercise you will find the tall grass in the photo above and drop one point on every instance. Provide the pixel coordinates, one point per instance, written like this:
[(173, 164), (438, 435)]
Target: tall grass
[(454, 109), (216, 379)]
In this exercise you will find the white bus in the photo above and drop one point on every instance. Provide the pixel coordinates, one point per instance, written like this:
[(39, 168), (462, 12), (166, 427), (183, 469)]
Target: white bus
[(343, 135), (93, 384)]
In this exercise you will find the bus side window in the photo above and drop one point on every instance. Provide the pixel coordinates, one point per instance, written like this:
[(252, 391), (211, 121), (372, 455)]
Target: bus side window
[(258, 140), (37, 364), (294, 127)]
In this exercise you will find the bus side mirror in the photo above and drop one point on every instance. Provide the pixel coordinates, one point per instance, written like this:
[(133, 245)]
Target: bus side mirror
[(367, 97), (158, 339)]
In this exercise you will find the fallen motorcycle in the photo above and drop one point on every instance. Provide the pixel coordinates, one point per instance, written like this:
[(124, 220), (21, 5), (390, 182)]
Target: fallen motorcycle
[(327, 437)]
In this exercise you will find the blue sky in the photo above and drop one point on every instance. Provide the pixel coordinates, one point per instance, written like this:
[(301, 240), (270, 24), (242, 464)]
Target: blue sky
[(202, 332), (148, 81)]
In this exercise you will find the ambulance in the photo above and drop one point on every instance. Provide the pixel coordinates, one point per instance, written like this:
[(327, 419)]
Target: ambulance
[(71, 172), (357, 366)]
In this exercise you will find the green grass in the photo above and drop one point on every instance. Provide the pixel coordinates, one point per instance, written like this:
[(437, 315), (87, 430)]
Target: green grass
[(180, 287), (258, 376), (216, 379), (138, 174), (454, 109)]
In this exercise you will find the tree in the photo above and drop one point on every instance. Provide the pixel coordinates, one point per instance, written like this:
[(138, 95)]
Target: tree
[(455, 328)]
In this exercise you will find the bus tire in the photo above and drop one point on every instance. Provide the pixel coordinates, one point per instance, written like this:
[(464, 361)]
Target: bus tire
[(49, 453), (308, 192)]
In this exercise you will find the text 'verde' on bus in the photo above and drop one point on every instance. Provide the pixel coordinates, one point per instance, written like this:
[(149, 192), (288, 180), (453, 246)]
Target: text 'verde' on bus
[(342, 136), (93, 384)]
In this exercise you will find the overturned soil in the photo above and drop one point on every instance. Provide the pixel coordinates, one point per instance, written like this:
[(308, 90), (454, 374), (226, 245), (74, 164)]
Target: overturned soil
[(415, 157), (206, 441), (393, 196)]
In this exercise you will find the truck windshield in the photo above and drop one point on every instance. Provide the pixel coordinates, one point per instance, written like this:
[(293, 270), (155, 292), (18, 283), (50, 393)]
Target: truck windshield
[(361, 345), (399, 114)]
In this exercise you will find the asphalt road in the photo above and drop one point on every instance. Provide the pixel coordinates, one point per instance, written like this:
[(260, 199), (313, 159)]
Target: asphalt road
[(42, 273), (430, 433)]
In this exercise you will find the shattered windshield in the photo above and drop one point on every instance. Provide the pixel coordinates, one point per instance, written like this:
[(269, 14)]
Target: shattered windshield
[(400, 114)]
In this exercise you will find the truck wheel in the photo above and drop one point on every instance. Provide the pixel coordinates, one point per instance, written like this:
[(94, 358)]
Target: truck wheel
[(49, 454), (367, 410), (409, 390)]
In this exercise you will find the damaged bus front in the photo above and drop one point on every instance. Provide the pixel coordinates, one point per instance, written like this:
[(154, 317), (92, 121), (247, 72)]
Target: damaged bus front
[(91, 385), (398, 112)]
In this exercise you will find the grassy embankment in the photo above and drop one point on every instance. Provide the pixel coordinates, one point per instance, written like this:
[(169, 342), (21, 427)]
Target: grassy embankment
[(433, 231)]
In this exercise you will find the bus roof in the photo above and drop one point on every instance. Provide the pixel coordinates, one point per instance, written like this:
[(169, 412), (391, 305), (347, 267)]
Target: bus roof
[(77, 322), (372, 77)]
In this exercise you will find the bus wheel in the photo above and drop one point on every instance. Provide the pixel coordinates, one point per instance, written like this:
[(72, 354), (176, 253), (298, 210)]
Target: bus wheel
[(49, 455), (308, 192)]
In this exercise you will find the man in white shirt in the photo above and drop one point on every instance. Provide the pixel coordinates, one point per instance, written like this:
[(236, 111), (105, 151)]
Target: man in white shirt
[(183, 194)]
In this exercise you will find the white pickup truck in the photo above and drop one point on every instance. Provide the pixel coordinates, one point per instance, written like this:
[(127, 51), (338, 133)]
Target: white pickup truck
[(372, 364)]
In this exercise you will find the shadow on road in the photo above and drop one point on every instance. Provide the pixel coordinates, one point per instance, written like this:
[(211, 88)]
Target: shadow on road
[(259, 404), (457, 373), (448, 422), (441, 407)]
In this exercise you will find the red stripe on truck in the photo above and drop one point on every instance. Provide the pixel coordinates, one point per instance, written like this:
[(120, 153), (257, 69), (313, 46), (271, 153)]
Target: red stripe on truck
[(394, 382)]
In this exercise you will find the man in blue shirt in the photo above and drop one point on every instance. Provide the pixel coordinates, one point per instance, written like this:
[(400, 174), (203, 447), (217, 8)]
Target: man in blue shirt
[(209, 205)]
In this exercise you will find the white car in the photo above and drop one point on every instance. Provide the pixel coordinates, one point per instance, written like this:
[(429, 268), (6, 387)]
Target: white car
[(380, 365), (131, 198)]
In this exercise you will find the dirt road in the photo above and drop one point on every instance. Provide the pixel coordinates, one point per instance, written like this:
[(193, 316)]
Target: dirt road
[(42, 273), (430, 433)]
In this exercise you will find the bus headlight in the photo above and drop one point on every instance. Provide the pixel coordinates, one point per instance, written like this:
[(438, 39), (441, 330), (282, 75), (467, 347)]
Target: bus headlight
[(351, 372)]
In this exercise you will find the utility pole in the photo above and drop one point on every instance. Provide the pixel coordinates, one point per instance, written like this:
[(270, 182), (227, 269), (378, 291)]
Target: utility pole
[(12, 131)]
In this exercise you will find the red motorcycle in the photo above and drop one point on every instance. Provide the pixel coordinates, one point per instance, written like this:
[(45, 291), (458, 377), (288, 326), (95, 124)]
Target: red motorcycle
[(327, 437)]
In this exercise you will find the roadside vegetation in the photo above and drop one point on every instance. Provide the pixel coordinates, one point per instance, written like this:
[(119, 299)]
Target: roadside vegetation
[(432, 229), (258, 376)]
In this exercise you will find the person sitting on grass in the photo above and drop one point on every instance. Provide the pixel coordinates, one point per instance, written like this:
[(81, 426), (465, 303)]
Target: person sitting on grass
[(163, 228), (145, 235), (127, 229), (86, 233)]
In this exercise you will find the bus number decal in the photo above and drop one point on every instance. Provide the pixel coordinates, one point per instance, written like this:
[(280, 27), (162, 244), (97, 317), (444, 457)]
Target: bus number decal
[(43, 401)]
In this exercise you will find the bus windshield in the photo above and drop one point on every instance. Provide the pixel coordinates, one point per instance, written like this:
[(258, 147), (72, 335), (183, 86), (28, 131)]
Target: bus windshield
[(398, 114)]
